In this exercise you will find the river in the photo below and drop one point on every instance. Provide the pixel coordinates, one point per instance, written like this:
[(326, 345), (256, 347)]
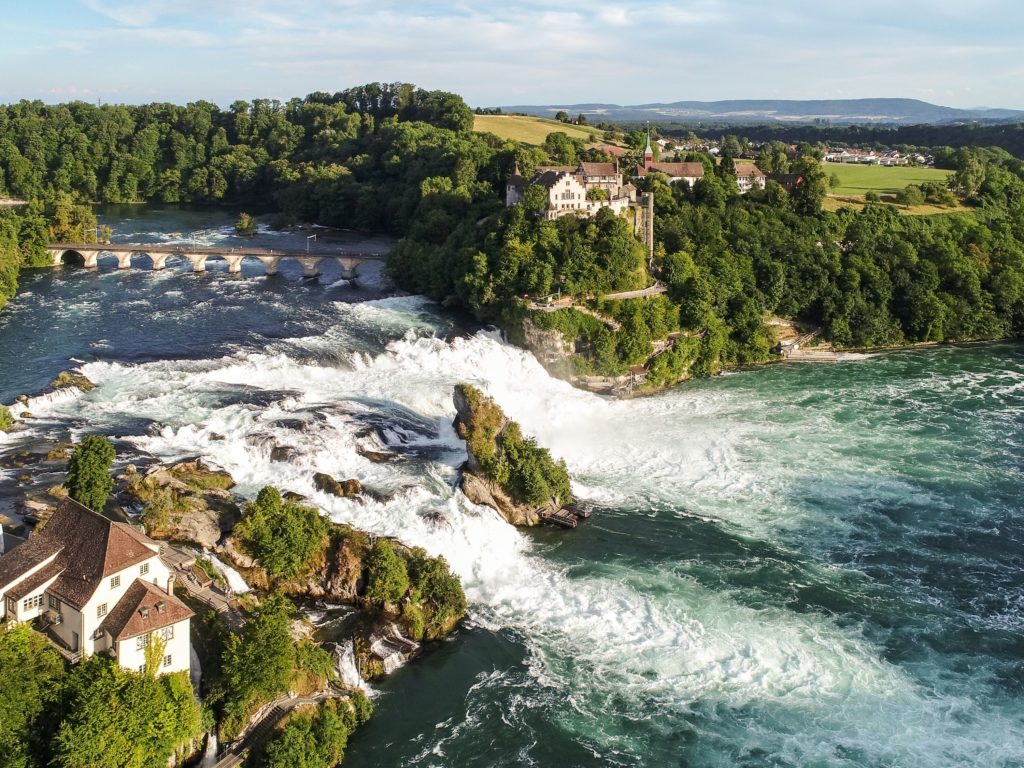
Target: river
[(813, 565)]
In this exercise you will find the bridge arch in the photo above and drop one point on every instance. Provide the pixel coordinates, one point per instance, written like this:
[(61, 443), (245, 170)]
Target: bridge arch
[(70, 258)]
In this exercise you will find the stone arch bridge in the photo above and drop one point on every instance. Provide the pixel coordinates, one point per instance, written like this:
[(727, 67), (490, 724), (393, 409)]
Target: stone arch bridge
[(158, 254)]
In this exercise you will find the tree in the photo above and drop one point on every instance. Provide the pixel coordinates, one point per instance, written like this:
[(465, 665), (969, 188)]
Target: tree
[(387, 579), (285, 536), (808, 197), (117, 717), (245, 224), (28, 692), (88, 480), (562, 116), (257, 662)]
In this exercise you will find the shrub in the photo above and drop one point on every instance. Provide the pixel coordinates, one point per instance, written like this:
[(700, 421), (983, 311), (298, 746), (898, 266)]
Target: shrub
[(387, 575), (245, 224), (437, 591), (6, 420)]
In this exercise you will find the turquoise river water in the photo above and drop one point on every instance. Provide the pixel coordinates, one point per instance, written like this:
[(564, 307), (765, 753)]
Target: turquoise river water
[(813, 565)]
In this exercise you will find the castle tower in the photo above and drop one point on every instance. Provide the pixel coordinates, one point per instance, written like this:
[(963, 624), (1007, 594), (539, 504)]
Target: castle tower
[(648, 152)]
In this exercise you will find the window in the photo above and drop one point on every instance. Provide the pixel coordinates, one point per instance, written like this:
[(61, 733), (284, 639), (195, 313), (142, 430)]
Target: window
[(101, 610), (167, 633), (142, 641), (115, 582), (31, 602), (54, 602), (167, 660), (144, 569)]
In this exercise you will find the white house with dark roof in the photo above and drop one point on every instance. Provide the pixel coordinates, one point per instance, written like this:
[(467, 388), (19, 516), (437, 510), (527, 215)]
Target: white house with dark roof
[(96, 586), (569, 186), (749, 176)]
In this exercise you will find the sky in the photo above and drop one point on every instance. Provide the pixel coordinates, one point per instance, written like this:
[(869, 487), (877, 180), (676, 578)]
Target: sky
[(950, 52)]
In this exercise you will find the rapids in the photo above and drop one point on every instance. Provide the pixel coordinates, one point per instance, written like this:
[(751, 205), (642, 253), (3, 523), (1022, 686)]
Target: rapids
[(792, 566)]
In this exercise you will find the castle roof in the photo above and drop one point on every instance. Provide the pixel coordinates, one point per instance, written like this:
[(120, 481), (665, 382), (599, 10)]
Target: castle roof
[(599, 169)]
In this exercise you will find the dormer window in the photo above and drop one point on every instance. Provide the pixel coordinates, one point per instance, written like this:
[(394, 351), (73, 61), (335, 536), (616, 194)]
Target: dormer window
[(144, 611), (115, 582)]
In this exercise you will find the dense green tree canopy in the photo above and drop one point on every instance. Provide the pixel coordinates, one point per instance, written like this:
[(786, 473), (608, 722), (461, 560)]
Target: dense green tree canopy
[(285, 536), (88, 480), (30, 687), (122, 718)]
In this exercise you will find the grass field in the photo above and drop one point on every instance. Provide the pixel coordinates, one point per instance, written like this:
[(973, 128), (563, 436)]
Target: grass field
[(834, 203), (858, 179), (530, 130)]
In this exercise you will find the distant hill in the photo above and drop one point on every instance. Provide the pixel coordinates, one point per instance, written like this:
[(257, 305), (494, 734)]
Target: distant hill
[(836, 111)]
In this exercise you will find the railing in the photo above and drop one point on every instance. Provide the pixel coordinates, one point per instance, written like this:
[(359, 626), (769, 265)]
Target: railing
[(213, 251)]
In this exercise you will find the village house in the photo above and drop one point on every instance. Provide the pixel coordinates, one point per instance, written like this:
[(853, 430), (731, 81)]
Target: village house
[(691, 173), (749, 176), (95, 586), (570, 189), (788, 181)]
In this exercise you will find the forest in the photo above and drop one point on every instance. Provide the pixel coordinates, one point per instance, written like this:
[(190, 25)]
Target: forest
[(394, 158)]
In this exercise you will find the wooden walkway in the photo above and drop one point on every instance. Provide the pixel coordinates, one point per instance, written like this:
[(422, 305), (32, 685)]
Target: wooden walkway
[(263, 723), (179, 562)]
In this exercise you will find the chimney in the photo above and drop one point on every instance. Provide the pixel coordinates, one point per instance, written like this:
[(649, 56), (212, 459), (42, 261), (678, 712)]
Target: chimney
[(170, 584)]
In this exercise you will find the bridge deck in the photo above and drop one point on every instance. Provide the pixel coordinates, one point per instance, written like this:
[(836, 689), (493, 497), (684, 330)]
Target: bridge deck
[(206, 251)]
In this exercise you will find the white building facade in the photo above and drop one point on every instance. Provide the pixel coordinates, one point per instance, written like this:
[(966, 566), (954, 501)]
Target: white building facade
[(94, 586)]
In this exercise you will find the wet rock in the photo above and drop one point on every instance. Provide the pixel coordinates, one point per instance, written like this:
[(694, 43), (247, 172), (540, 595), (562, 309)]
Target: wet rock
[(485, 493), (293, 496), (25, 415), (352, 487), (186, 502), (283, 453), (69, 379), (327, 484), (36, 511), (59, 452), (377, 457), (383, 649)]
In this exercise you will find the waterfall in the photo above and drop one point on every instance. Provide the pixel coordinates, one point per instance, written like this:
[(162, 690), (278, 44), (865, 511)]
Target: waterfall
[(210, 754), (348, 672)]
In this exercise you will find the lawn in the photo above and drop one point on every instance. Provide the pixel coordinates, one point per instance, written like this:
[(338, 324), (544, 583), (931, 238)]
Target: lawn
[(530, 130), (858, 179)]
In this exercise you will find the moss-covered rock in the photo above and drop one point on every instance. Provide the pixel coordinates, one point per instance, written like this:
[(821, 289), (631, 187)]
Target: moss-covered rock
[(68, 379), (505, 470)]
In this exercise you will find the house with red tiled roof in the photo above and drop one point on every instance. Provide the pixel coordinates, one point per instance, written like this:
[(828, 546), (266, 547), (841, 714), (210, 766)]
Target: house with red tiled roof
[(691, 173), (93, 585)]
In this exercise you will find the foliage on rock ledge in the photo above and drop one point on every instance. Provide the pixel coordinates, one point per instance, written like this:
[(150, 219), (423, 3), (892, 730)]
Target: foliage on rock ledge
[(523, 469)]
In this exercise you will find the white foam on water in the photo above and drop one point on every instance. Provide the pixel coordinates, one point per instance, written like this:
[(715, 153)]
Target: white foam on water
[(660, 643), (234, 579)]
